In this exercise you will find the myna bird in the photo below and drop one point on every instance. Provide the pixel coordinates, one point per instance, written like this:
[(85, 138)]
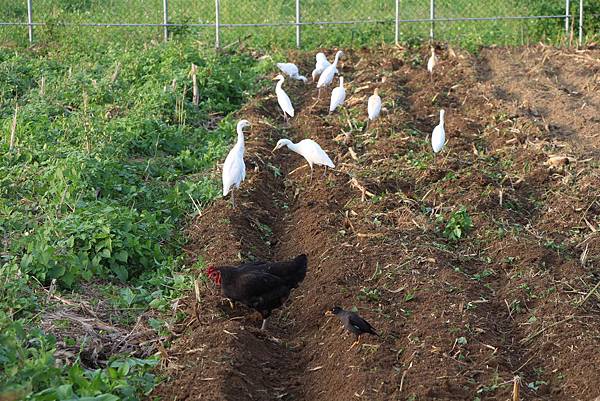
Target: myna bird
[(353, 323)]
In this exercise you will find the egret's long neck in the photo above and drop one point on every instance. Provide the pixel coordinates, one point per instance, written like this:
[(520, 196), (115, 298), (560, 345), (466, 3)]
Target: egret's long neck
[(279, 84), (240, 139), (335, 61), (441, 118), (292, 146), (341, 82)]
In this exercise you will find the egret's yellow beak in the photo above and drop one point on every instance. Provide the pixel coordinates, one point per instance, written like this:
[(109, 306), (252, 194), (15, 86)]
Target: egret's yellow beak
[(274, 79), (274, 149)]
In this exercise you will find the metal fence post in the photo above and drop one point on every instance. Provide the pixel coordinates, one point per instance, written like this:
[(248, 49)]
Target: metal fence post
[(217, 24), (298, 44), (580, 22), (432, 18), (397, 30), (166, 19), (30, 20), (567, 15)]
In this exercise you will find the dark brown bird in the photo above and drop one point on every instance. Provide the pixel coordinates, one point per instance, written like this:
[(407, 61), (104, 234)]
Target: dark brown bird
[(353, 323), (262, 286), (292, 272)]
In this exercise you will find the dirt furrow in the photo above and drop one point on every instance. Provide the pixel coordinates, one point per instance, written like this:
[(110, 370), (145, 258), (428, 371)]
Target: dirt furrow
[(458, 318)]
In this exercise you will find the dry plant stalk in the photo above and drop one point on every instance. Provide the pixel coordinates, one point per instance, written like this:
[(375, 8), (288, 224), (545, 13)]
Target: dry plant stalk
[(197, 290), (589, 294), (43, 86), (13, 129), (115, 74), (516, 384), (355, 184), (195, 91), (88, 142)]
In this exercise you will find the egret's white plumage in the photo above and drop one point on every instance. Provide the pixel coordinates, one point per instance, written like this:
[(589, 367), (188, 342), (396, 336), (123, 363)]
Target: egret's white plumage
[(321, 61), (234, 169), (374, 105), (327, 75), (438, 136), (283, 99), (320, 65), (432, 62), (308, 149), (338, 95), (291, 70)]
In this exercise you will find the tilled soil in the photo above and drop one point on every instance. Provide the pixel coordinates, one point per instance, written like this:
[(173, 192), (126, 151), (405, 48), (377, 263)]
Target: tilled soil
[(459, 319)]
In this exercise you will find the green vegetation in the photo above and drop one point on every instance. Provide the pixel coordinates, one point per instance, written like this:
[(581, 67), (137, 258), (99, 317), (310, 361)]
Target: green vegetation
[(377, 24), (458, 224), (108, 153)]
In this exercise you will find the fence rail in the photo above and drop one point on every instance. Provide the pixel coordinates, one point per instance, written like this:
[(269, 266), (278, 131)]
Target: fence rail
[(398, 10)]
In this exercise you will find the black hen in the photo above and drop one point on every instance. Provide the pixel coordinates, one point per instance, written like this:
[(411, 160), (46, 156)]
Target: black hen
[(262, 286), (353, 323), (291, 271)]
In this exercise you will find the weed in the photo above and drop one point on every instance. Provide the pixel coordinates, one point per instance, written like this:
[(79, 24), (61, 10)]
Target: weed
[(276, 170), (409, 296), (371, 295), (458, 225), (483, 275), (535, 385)]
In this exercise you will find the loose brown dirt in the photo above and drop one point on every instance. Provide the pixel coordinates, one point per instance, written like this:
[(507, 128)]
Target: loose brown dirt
[(459, 319)]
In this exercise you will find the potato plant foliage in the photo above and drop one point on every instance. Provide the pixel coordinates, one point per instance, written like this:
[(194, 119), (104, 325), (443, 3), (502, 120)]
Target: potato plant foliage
[(109, 150)]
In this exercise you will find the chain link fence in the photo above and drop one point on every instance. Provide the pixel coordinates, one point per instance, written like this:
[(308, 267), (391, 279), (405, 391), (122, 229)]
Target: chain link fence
[(301, 23)]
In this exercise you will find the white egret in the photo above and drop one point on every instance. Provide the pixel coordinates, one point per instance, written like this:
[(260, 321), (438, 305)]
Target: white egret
[(291, 70), (327, 75), (320, 65), (234, 169), (283, 99), (338, 95), (432, 62), (374, 105), (438, 136), (310, 150)]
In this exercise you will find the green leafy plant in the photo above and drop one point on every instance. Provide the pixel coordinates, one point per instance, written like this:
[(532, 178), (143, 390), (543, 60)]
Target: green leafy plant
[(458, 225), (109, 160)]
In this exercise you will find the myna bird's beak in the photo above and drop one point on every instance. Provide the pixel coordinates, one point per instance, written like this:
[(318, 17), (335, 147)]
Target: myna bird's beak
[(329, 313)]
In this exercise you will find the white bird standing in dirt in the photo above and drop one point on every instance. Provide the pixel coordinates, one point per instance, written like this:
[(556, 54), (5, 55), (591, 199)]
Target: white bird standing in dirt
[(283, 99), (327, 76), (374, 105), (321, 64), (310, 150), (291, 70), (234, 168), (338, 95), (438, 136), (432, 62)]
